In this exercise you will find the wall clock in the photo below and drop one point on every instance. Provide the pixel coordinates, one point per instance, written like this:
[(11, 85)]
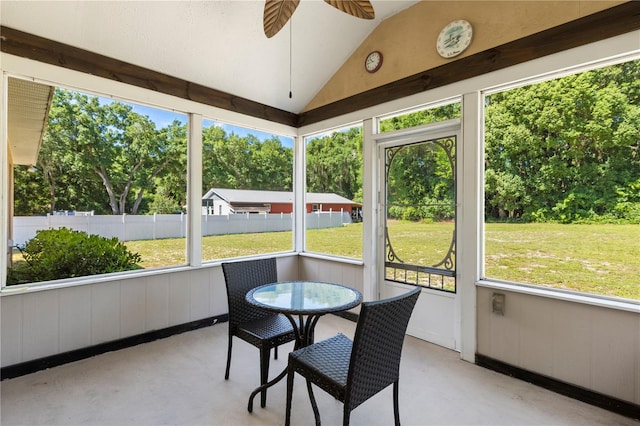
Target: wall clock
[(373, 61), (454, 38)]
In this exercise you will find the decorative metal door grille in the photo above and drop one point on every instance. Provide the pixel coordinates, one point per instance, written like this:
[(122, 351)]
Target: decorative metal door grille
[(420, 229)]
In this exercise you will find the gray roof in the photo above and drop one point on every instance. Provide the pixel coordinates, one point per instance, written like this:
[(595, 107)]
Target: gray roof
[(252, 196)]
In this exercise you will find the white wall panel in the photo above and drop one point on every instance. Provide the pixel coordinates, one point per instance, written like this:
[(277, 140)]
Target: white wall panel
[(105, 312), (614, 342), (503, 330), (572, 362), (349, 274), (352, 276), (48, 322), (432, 318), (179, 302), (310, 267), (594, 347), (11, 329), (199, 294), (589, 346), (75, 318), (536, 339), (217, 292), (157, 301), (40, 324), (133, 307), (287, 268)]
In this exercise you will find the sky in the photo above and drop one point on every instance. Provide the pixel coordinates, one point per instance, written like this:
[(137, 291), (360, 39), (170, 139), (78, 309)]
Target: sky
[(163, 118)]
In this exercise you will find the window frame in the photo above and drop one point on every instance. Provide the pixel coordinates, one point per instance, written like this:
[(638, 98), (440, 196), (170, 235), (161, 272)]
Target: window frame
[(532, 288), (6, 182), (304, 138), (617, 46), (46, 74), (210, 122)]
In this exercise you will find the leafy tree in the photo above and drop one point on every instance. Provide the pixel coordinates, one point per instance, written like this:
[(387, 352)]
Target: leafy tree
[(232, 161), (422, 117), (163, 204), (505, 192), (29, 196), (166, 175), (88, 145), (563, 150), (574, 142), (420, 178), (272, 165), (334, 164), (420, 182)]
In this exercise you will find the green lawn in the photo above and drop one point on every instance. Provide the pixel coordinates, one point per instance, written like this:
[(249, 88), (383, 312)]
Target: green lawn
[(602, 259)]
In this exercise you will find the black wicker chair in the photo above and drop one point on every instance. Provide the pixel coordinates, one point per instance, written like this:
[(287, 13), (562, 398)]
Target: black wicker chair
[(260, 328), (353, 372)]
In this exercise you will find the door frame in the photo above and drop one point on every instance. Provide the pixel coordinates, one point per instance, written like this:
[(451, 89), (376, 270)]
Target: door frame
[(441, 310)]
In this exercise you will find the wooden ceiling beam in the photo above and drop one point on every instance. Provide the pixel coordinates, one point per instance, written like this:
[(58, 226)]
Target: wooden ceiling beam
[(40, 49), (589, 29)]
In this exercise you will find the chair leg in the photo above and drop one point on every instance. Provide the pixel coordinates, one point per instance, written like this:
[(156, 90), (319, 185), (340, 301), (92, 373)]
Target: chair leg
[(346, 414), (287, 418), (264, 374), (396, 406), (226, 374), (275, 353), (316, 413)]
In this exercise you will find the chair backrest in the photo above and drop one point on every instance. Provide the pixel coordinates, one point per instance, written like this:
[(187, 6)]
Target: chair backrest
[(377, 346), (240, 277)]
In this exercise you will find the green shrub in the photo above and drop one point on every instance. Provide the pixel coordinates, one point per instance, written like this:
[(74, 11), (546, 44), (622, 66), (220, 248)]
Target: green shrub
[(432, 211), (64, 253)]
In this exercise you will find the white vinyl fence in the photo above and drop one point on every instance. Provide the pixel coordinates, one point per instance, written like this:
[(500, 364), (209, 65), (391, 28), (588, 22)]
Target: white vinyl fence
[(157, 226)]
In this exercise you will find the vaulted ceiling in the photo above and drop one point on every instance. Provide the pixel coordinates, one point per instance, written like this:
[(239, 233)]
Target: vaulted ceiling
[(215, 52), (218, 44)]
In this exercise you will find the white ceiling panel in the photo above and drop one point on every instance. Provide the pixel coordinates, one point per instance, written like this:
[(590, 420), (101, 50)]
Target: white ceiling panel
[(217, 43)]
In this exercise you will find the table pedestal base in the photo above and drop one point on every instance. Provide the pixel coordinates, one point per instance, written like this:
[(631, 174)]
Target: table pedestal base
[(303, 329)]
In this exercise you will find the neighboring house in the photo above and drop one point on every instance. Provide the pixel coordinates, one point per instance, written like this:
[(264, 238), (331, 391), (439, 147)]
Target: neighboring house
[(222, 201)]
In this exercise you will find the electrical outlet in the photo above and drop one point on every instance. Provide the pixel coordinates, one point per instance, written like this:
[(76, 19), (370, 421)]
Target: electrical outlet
[(497, 303)]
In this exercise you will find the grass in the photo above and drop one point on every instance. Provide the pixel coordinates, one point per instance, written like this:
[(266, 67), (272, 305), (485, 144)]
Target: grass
[(157, 253), (595, 258), (600, 259)]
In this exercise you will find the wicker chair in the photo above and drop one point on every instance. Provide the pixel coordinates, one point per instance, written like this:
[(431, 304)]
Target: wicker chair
[(352, 372), (262, 329)]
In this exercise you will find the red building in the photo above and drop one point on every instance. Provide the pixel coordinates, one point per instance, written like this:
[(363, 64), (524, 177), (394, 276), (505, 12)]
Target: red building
[(221, 201)]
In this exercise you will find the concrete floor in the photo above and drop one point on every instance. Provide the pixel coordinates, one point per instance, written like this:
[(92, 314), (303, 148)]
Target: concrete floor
[(180, 381)]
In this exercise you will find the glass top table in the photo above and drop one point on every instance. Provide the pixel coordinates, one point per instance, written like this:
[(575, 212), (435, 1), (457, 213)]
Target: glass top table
[(304, 297), (306, 300)]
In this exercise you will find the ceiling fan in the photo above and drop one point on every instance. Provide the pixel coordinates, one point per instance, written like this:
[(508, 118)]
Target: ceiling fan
[(278, 12)]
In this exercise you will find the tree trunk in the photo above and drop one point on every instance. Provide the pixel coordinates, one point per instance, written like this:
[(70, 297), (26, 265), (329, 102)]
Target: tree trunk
[(107, 185), (52, 190), (136, 204)]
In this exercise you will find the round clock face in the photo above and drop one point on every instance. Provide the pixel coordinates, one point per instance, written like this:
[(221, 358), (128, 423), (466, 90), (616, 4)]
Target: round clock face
[(454, 38), (373, 61)]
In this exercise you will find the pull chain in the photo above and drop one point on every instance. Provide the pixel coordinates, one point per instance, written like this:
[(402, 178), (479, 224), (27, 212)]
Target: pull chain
[(290, 55)]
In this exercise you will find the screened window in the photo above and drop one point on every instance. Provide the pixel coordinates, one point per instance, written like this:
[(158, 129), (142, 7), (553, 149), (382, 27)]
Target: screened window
[(334, 193), (98, 185), (247, 187), (562, 182), (420, 200), (419, 117)]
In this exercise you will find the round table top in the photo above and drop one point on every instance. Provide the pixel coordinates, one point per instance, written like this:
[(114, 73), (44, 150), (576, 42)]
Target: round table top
[(304, 297)]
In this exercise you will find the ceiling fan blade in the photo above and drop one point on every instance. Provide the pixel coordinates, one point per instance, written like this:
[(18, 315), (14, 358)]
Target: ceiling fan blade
[(358, 8), (276, 14)]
